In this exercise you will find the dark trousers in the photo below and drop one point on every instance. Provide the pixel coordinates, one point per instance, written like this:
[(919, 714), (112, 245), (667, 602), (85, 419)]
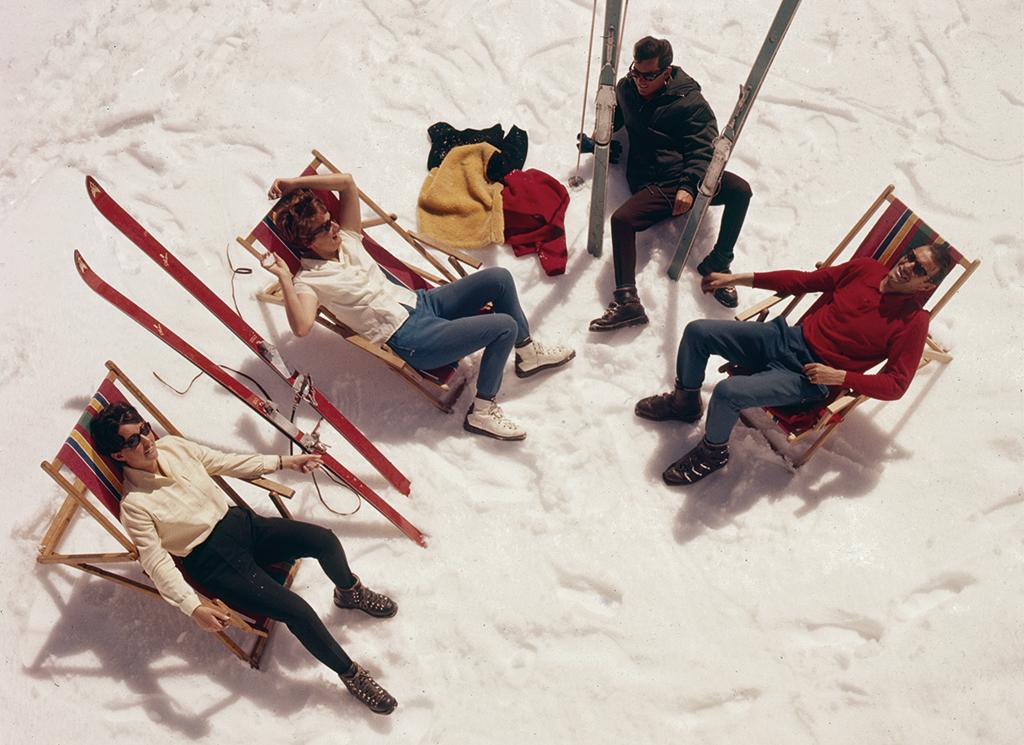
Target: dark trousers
[(446, 325), (227, 565), (653, 203), (773, 352)]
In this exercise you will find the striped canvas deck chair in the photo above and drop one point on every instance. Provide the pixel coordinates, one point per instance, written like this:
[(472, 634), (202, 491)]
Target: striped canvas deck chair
[(442, 386), (896, 229), (92, 485)]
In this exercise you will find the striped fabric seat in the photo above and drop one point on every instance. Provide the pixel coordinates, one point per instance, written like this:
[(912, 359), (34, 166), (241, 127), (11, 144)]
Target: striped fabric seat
[(897, 229), (103, 476)]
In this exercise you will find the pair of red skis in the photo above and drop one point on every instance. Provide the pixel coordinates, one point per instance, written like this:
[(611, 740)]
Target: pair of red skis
[(301, 384)]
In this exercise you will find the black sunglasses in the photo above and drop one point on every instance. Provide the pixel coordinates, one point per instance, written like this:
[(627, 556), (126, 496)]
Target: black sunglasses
[(317, 232), (130, 443), (648, 76), (919, 269)]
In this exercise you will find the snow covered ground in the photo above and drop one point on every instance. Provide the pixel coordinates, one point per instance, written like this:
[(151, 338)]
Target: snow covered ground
[(567, 595)]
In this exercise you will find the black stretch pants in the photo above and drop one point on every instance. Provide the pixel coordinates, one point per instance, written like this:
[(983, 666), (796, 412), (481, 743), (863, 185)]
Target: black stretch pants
[(653, 203), (227, 565)]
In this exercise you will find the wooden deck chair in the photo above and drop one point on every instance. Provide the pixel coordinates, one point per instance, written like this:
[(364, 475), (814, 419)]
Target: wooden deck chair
[(92, 484), (896, 229), (442, 386)]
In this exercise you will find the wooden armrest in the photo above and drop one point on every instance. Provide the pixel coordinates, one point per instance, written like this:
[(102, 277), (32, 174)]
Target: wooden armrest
[(758, 309), (843, 402), (273, 487), (452, 252)]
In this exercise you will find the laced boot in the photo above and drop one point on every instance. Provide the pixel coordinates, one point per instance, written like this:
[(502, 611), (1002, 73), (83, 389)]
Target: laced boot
[(696, 464), (727, 296), (486, 418), (624, 310), (533, 357), (362, 685), (360, 597), (679, 403)]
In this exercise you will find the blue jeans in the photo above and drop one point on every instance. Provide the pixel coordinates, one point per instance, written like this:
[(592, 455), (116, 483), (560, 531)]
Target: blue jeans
[(446, 325), (773, 352)]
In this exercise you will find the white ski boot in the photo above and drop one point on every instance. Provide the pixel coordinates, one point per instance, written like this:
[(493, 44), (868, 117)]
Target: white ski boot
[(486, 418)]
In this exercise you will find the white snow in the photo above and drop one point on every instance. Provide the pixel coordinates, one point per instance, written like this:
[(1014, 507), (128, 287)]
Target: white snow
[(567, 595)]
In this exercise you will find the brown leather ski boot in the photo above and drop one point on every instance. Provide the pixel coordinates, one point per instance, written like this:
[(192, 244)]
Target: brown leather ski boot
[(679, 404), (624, 310), (362, 685), (360, 597)]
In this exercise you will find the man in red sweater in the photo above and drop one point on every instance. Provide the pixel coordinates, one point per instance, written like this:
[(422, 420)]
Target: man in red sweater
[(869, 314)]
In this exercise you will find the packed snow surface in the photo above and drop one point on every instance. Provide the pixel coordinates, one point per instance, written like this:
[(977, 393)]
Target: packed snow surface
[(567, 595)]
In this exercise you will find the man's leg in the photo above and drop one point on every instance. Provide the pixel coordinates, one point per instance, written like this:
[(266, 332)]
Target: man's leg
[(749, 345), (734, 193), (647, 207), (774, 387)]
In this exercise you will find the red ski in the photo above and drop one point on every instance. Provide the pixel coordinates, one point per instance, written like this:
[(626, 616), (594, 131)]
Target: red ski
[(266, 409), (300, 383)]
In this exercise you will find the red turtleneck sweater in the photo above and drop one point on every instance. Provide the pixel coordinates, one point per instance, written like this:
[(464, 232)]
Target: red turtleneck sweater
[(859, 326)]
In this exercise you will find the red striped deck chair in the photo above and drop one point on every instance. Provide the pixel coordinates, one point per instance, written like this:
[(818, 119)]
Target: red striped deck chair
[(897, 229), (442, 386), (92, 484)]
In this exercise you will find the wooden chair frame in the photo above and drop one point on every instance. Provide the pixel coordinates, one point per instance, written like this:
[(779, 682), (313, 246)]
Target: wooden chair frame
[(77, 498), (836, 412), (440, 393)]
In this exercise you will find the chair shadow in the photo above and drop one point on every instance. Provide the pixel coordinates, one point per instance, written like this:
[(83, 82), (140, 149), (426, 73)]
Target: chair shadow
[(137, 655), (848, 466)]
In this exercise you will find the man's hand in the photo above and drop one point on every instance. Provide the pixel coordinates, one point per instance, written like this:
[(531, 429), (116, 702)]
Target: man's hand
[(280, 187), (303, 462), (684, 200), (210, 618), (823, 374)]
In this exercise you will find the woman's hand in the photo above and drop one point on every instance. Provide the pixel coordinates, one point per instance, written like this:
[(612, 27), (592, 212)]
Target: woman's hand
[(303, 462), (280, 187), (276, 266), (210, 618)]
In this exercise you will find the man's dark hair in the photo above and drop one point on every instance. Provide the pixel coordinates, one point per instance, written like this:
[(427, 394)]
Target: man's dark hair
[(649, 48), (944, 260), (104, 426), (941, 255)]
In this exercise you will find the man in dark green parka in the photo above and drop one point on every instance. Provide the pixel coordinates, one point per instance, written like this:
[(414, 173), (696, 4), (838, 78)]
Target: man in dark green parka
[(671, 134)]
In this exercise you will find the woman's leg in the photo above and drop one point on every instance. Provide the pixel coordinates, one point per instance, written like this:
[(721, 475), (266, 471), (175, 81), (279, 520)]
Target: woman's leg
[(232, 575), (435, 342), (466, 296), (277, 539)]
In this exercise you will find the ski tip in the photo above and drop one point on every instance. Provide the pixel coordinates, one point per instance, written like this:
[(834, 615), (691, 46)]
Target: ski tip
[(80, 264), (93, 187)]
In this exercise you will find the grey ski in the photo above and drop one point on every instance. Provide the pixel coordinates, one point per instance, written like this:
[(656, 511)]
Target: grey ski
[(725, 142), (604, 118)]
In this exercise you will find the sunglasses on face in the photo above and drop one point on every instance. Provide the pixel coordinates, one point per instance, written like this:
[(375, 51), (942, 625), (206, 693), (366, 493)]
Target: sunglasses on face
[(919, 269), (321, 230), (130, 443), (646, 76)]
